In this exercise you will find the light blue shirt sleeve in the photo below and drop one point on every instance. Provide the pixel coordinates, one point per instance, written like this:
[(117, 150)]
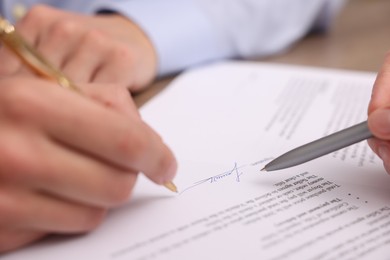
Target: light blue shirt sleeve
[(180, 31), (186, 33), (190, 32)]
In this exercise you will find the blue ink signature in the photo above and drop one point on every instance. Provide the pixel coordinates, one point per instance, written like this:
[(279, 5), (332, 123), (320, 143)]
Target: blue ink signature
[(235, 171), (216, 178)]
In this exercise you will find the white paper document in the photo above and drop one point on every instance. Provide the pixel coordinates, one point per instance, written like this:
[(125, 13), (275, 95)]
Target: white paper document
[(224, 122)]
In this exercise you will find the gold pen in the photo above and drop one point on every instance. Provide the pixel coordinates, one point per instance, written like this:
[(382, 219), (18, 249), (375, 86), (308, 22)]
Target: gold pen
[(38, 64)]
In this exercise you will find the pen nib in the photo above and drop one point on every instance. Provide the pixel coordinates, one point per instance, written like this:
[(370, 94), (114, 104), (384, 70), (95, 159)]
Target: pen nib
[(170, 186), (263, 170)]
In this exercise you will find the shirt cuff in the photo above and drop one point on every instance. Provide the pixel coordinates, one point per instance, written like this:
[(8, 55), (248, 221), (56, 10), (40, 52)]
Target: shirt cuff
[(178, 29)]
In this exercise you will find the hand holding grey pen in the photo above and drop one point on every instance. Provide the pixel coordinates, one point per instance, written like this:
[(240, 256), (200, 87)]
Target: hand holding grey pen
[(320, 147)]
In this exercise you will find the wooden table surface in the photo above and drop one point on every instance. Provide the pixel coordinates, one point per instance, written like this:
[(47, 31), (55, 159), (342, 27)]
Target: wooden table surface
[(358, 39)]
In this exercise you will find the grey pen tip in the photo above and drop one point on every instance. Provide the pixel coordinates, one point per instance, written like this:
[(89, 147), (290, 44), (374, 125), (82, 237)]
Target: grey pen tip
[(264, 169)]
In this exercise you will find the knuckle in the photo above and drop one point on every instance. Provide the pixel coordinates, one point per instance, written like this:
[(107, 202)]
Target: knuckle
[(35, 15), (118, 90), (133, 146), (118, 98), (95, 37), (123, 54), (119, 94), (109, 99), (63, 29)]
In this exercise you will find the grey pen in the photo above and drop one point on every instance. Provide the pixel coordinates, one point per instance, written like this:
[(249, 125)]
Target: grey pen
[(320, 147)]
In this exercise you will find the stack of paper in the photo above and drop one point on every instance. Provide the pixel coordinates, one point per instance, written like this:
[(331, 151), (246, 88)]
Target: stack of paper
[(224, 122)]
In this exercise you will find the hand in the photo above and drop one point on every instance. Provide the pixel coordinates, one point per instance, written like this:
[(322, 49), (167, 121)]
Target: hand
[(65, 159), (99, 48), (379, 115)]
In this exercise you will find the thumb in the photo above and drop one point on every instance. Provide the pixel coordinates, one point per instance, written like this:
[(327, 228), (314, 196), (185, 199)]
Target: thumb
[(379, 123), (380, 97)]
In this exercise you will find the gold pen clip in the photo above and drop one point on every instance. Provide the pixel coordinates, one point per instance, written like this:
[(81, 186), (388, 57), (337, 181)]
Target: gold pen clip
[(32, 58)]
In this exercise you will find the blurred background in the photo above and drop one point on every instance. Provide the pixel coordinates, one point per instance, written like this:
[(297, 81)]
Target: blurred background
[(358, 39)]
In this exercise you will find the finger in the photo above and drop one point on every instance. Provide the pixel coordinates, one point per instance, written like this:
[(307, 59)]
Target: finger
[(381, 91), (110, 136), (37, 26), (379, 123), (13, 239), (10, 64), (91, 128), (23, 209), (112, 96), (374, 144), (30, 28), (31, 25), (119, 67), (57, 170), (87, 57), (38, 20), (58, 42), (381, 148)]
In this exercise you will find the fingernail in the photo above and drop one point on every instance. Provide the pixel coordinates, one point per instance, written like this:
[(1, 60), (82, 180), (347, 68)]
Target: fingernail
[(166, 175), (171, 172), (383, 153)]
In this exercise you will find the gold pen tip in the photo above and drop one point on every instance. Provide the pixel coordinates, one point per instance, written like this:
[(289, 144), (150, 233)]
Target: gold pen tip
[(170, 186)]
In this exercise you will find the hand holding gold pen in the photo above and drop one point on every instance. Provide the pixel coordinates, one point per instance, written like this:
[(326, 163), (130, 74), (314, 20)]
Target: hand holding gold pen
[(38, 64), (66, 157)]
